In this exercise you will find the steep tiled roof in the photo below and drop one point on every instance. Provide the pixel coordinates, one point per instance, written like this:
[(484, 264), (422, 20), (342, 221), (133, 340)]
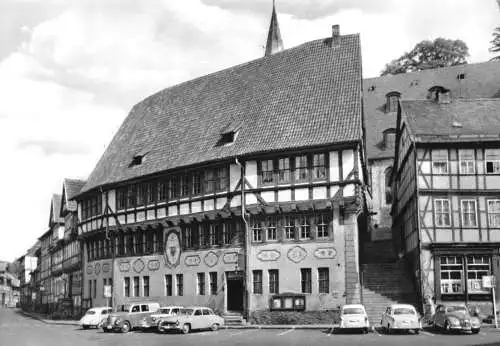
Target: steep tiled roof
[(301, 97), (457, 121), (480, 80), (71, 187), (55, 209)]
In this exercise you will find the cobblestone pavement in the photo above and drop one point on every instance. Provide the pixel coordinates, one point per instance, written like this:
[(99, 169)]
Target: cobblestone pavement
[(17, 329)]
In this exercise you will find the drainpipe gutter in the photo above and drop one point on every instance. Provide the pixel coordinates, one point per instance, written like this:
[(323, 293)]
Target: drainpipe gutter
[(247, 246)]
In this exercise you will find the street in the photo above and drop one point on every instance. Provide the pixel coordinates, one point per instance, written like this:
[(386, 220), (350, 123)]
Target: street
[(19, 330)]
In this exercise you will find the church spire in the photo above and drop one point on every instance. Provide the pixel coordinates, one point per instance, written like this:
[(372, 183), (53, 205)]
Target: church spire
[(274, 41)]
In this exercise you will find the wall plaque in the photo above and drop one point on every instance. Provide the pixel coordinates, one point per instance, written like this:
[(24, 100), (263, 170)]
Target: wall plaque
[(153, 265), (211, 259), (230, 257), (297, 254), (172, 249), (192, 261), (105, 268), (325, 253), (124, 266), (268, 255), (97, 268), (90, 269), (139, 265)]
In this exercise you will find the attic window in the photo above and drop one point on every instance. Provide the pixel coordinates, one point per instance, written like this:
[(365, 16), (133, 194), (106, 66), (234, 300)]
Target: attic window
[(136, 160), (228, 137), (389, 138), (392, 101), (461, 76)]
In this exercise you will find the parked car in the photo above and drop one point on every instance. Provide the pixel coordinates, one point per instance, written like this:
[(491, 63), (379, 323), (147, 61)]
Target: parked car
[(401, 317), (95, 317), (190, 319), (354, 317), (153, 320), (129, 316), (455, 318)]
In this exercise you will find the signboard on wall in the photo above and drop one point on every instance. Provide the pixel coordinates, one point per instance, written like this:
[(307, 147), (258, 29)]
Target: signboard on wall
[(107, 291), (489, 281)]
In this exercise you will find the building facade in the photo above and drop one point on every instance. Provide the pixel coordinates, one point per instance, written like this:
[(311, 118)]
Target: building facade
[(447, 196), (381, 94), (234, 201), (9, 287)]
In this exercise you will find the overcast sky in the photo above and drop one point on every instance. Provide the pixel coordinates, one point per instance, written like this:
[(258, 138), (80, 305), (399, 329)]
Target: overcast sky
[(71, 69)]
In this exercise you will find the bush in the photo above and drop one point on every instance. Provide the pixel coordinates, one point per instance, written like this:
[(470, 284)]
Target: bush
[(294, 317)]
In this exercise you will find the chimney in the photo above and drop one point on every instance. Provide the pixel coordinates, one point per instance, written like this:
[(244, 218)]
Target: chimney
[(335, 35)]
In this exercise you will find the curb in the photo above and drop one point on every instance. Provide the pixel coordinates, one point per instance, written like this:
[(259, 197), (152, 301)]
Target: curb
[(46, 321)]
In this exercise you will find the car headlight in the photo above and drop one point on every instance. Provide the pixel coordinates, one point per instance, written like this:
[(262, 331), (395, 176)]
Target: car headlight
[(117, 321), (454, 321), (177, 323)]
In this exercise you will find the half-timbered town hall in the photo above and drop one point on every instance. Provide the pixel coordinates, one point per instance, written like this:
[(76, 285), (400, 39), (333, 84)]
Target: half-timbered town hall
[(241, 190)]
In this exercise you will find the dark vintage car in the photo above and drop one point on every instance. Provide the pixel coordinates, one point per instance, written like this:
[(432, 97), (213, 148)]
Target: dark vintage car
[(455, 318), (129, 316)]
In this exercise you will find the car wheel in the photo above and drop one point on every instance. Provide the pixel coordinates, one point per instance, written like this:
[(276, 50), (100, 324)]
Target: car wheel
[(125, 327), (417, 331), (85, 327), (475, 331), (447, 327), (214, 327), (186, 328), (105, 330), (365, 331)]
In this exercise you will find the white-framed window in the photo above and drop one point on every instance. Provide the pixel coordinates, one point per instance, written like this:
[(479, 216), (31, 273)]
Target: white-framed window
[(494, 213), (440, 161), (256, 231), (442, 212), (469, 214), (322, 226), (477, 267), (305, 228), (467, 161), (492, 161), (289, 226), (451, 272), (272, 233)]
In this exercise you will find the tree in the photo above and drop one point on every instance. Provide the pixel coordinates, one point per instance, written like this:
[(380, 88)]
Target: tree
[(428, 55), (495, 44)]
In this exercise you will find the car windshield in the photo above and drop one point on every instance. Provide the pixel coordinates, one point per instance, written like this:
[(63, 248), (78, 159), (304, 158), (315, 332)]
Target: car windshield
[(456, 308), (123, 308), (404, 311), (91, 312), (353, 311), (185, 311), (164, 311)]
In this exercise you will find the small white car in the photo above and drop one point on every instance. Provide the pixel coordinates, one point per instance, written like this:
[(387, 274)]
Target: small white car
[(354, 317), (401, 317), (153, 320), (190, 319), (95, 317)]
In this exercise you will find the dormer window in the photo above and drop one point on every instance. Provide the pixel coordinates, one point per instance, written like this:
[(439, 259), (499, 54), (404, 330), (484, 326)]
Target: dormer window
[(136, 160), (392, 101), (439, 94), (229, 133), (389, 138)]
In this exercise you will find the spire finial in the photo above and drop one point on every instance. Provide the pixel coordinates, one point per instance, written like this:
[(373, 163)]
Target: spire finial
[(274, 41)]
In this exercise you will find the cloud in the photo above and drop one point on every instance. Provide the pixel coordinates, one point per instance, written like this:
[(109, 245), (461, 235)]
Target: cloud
[(303, 9), (51, 147)]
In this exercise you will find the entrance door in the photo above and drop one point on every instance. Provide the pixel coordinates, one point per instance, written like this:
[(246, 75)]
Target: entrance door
[(235, 292)]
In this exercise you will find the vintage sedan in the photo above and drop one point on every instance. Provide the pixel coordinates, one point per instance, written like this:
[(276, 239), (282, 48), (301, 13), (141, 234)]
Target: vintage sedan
[(401, 317), (153, 320), (129, 316), (353, 317), (455, 318), (190, 319), (95, 317)]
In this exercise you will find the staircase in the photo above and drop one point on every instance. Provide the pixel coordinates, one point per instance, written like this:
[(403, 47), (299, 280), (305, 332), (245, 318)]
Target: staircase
[(234, 319), (384, 280)]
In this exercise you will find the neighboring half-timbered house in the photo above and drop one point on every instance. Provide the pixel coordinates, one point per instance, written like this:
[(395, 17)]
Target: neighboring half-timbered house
[(447, 195), (240, 190)]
